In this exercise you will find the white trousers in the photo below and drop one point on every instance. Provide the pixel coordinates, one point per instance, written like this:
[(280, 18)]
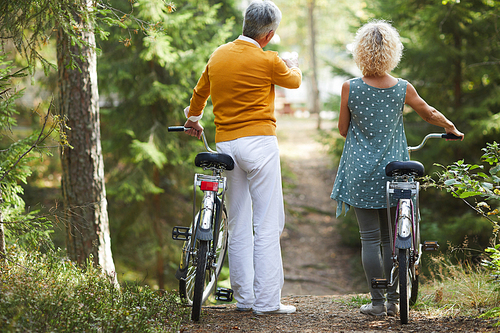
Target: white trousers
[(256, 218)]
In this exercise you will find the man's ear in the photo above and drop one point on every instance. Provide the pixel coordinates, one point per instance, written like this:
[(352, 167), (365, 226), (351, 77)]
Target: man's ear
[(270, 35)]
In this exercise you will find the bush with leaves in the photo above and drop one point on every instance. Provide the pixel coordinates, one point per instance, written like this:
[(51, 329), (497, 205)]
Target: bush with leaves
[(49, 293), (471, 181)]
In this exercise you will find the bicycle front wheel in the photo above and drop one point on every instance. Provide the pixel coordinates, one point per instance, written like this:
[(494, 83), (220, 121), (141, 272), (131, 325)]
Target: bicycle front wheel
[(404, 285)]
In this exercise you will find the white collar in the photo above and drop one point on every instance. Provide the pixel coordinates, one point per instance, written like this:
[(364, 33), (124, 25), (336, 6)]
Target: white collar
[(248, 39)]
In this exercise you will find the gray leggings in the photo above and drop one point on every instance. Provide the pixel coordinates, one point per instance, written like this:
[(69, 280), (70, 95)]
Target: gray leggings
[(376, 250)]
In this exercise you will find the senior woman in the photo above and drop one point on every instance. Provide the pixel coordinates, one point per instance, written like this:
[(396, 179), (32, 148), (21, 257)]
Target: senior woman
[(371, 120), (240, 77)]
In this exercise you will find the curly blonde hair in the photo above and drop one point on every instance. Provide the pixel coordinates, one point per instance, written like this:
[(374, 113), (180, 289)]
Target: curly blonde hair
[(377, 48)]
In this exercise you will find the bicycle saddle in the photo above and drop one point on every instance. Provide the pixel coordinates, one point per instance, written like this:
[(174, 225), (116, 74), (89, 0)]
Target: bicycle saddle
[(219, 161), (404, 167)]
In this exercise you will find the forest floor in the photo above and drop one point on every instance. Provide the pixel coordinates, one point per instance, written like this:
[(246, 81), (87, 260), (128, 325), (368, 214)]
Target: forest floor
[(323, 279)]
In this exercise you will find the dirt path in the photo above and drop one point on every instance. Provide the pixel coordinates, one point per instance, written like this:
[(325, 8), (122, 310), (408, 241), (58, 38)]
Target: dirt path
[(314, 261)]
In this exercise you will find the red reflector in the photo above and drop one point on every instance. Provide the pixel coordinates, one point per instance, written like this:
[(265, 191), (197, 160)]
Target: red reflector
[(209, 186)]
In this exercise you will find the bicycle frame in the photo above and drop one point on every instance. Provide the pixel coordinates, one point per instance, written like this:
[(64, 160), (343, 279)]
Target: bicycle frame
[(214, 189), (406, 227)]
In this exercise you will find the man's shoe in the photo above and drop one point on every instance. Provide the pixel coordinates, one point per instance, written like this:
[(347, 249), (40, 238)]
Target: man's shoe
[(374, 310), (284, 309), (243, 309), (392, 308)]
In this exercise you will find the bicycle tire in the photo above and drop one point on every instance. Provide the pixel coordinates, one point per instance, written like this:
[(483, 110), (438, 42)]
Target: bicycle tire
[(200, 281), (404, 285), (186, 286)]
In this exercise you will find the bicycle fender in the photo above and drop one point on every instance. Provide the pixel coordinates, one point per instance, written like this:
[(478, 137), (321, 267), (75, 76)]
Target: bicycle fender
[(403, 242), (403, 239), (181, 274), (204, 234)]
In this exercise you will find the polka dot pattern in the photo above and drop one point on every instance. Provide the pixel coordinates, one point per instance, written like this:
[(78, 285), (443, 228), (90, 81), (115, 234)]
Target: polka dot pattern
[(375, 137)]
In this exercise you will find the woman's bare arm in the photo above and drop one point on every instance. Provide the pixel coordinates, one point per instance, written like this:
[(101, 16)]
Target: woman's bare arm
[(428, 113), (345, 114)]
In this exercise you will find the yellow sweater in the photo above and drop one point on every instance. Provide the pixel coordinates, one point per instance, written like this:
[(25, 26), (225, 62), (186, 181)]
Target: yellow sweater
[(240, 77)]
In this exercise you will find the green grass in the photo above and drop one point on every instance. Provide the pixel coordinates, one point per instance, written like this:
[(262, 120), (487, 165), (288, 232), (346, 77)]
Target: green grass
[(456, 289), (48, 293), (452, 289)]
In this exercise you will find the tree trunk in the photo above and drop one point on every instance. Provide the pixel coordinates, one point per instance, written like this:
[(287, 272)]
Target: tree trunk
[(160, 269), (314, 68), (458, 70), (83, 182), (2, 231)]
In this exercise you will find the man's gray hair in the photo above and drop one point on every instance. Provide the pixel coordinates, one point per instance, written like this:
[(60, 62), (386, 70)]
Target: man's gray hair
[(260, 18)]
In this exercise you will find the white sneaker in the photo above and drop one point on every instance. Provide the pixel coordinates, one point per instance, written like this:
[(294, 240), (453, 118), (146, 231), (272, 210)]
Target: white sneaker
[(392, 308), (284, 309), (374, 310)]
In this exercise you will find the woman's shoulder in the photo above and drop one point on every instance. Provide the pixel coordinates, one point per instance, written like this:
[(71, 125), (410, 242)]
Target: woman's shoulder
[(349, 82)]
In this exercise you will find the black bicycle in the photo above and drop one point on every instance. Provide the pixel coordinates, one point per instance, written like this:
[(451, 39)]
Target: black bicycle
[(205, 241)]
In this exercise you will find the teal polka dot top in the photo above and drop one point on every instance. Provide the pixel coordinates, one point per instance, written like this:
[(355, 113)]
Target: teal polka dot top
[(375, 137)]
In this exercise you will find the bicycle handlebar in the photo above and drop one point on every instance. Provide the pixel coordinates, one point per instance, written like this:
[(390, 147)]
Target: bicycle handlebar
[(434, 136), (183, 129), (176, 128)]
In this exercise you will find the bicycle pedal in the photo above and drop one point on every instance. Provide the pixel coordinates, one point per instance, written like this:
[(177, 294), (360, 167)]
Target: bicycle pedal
[(224, 294), (379, 283), (181, 233), (430, 246)]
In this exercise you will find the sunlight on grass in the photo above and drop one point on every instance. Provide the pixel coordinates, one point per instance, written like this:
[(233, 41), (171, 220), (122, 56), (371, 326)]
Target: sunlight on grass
[(457, 289)]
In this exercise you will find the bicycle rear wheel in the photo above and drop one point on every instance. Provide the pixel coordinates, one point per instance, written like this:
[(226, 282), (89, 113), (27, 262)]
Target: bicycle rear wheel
[(200, 279), (187, 285), (404, 285)]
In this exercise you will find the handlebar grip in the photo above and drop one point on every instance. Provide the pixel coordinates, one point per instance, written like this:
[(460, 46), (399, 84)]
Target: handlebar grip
[(176, 128), (451, 136)]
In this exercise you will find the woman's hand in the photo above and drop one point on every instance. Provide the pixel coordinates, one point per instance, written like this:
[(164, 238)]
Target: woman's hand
[(453, 130)]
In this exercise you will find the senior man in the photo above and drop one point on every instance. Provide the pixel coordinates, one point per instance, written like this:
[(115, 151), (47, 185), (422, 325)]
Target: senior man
[(240, 76)]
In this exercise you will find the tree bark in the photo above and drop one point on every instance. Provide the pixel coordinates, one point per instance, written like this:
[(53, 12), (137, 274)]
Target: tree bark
[(458, 70), (160, 268), (2, 230), (83, 183), (314, 68)]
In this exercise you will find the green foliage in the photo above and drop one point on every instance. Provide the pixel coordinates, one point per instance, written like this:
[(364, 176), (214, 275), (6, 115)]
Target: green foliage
[(493, 265), (48, 293), (26, 229), (468, 181), (147, 77), (456, 288)]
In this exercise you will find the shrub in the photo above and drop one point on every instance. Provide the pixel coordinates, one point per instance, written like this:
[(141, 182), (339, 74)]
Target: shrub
[(47, 292)]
